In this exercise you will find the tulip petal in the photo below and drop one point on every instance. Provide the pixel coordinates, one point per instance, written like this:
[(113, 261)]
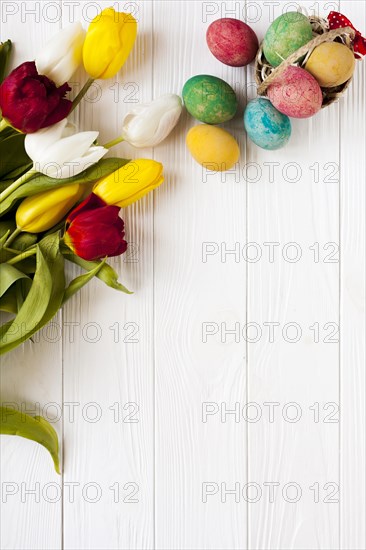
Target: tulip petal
[(92, 202), (140, 193), (130, 182), (127, 36), (94, 230), (60, 112), (62, 55), (42, 211), (30, 101), (69, 130), (165, 126), (69, 148), (108, 43), (94, 245), (151, 124), (35, 144), (79, 164), (70, 156), (106, 215), (63, 157)]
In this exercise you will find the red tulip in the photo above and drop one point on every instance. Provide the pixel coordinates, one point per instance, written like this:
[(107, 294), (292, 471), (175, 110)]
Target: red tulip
[(30, 101), (94, 230)]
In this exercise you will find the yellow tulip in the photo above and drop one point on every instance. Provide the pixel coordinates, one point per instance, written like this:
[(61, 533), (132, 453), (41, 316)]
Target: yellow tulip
[(42, 211), (130, 182), (108, 43)]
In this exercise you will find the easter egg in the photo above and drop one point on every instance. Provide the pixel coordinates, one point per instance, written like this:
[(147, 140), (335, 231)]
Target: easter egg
[(232, 42), (209, 99), (286, 34), (331, 63), (296, 93), (265, 126), (213, 147)]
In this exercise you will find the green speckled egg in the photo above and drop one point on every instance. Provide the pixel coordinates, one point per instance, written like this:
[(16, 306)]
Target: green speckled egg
[(287, 34), (209, 99)]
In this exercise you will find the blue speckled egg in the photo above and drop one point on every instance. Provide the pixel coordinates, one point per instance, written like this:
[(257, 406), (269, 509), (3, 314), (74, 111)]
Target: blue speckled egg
[(266, 127)]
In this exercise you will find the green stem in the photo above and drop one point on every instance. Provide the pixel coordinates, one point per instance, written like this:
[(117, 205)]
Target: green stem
[(17, 183), (81, 94), (12, 237), (3, 125), (27, 254), (113, 142)]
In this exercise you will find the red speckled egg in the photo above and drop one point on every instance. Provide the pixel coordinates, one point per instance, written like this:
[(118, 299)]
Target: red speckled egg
[(296, 93), (232, 42)]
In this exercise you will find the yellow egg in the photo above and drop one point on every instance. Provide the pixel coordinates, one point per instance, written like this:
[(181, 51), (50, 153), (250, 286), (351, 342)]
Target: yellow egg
[(331, 63), (213, 147)]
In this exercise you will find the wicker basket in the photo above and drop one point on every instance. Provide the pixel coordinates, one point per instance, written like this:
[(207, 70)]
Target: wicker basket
[(265, 74)]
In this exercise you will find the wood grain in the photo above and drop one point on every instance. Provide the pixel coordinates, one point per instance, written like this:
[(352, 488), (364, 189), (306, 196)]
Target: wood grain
[(31, 376), (353, 329), (295, 206), (110, 361), (178, 401), (194, 208)]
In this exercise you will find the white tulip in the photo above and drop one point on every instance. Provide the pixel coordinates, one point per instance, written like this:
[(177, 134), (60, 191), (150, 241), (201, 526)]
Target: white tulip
[(62, 55), (148, 125), (59, 152)]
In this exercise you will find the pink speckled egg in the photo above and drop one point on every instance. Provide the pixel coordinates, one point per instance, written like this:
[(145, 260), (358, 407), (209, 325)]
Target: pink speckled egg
[(296, 93), (232, 42)]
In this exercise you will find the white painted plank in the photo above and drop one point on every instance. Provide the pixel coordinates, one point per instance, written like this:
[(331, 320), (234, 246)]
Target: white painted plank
[(352, 241), (192, 209), (294, 206), (115, 453), (31, 376)]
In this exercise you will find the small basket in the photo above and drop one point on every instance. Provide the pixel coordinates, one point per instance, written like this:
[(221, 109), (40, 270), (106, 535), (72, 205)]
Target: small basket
[(265, 74)]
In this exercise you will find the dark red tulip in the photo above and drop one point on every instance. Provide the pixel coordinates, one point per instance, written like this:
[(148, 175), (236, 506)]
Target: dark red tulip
[(30, 101), (94, 230)]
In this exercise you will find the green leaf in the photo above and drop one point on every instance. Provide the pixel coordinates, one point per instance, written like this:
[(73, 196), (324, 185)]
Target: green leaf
[(106, 274), (44, 298), (4, 184), (4, 238), (7, 254), (8, 276), (21, 242), (6, 226), (81, 281), (27, 266), (24, 241), (14, 297), (33, 310), (34, 428), (12, 154), (5, 50), (15, 174), (39, 182), (7, 132), (9, 302)]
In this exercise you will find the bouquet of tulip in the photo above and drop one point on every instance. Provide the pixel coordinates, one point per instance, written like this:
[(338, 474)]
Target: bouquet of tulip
[(60, 198)]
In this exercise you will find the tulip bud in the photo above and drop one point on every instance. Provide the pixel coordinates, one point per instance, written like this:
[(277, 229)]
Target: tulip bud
[(30, 101), (108, 43), (59, 152), (94, 230), (62, 55), (130, 182), (42, 211), (148, 125), (5, 50)]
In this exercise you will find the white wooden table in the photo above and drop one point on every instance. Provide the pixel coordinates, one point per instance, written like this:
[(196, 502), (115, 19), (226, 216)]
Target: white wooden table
[(223, 404)]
